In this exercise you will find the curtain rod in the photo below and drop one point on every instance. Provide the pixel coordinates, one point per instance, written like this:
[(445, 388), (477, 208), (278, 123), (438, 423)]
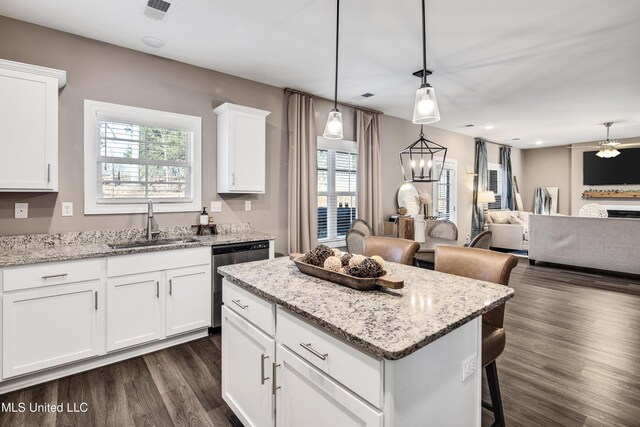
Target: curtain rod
[(495, 143), (366, 110)]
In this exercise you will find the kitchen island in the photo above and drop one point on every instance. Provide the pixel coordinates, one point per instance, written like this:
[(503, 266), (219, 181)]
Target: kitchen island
[(298, 350)]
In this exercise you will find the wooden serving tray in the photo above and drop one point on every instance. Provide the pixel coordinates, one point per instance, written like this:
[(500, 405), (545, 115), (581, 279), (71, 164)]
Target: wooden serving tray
[(361, 284)]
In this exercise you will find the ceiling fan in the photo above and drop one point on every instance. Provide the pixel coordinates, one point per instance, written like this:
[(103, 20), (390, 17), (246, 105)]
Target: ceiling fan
[(608, 149)]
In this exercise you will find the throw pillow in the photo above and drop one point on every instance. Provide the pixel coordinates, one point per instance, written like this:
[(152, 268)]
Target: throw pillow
[(524, 216), (515, 220), (500, 217)]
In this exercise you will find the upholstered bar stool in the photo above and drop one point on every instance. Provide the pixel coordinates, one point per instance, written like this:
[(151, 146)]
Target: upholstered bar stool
[(492, 267), (391, 249)]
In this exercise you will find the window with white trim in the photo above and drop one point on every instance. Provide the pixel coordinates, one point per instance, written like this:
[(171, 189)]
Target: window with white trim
[(133, 155), (495, 184), (337, 186), (444, 191)]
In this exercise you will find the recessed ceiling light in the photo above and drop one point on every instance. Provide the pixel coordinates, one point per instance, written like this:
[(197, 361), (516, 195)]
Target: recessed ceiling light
[(488, 127), (152, 41), (516, 139), (538, 142), (469, 126), (367, 95)]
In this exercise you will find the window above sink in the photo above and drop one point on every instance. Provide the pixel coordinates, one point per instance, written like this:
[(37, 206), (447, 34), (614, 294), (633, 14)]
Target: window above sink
[(133, 155)]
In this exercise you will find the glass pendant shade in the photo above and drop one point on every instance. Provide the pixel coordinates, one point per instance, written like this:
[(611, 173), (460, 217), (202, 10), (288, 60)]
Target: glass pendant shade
[(425, 109), (422, 161), (333, 128)]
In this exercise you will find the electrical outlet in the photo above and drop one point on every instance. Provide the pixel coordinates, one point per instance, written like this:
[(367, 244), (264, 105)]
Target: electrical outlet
[(247, 205), (22, 210), (469, 367), (67, 208), (216, 206)]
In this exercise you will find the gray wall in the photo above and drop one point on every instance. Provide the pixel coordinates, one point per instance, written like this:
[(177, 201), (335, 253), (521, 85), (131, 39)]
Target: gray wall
[(547, 167), (104, 72), (109, 73), (562, 167)]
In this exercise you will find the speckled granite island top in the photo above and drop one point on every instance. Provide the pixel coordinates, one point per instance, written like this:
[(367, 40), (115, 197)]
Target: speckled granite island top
[(388, 324), (23, 250)]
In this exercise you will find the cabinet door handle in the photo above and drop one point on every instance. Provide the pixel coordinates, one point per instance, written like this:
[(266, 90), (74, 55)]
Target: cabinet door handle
[(48, 172), (157, 289), (96, 300), (273, 374), (313, 351), (233, 178), (170, 286), (262, 377), (53, 276), (237, 302)]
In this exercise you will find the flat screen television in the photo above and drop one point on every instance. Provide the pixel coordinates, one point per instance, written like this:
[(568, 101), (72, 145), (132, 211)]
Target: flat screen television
[(619, 170)]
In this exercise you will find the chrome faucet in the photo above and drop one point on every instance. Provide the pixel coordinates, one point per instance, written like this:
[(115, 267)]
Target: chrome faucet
[(152, 225)]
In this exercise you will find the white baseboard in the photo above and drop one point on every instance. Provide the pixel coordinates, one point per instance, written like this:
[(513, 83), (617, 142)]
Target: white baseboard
[(95, 362)]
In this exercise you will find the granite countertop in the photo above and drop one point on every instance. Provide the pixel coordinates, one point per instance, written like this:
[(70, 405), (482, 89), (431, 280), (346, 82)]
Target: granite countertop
[(23, 253), (388, 324)]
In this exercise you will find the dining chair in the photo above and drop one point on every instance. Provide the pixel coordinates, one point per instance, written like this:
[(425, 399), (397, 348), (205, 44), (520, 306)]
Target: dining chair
[(391, 249), (444, 229), (482, 240), (355, 241), (492, 267), (362, 226)]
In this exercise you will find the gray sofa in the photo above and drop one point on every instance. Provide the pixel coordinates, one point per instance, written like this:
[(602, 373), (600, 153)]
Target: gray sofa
[(611, 244)]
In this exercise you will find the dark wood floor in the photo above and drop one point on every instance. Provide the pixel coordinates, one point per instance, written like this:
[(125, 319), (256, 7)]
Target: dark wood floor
[(572, 359)]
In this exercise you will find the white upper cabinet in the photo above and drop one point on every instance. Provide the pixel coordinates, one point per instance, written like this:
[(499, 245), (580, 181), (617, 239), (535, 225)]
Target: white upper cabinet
[(241, 149), (29, 127)]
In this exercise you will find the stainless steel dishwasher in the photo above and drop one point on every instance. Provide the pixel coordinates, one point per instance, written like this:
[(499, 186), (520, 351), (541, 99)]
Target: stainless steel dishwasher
[(235, 253)]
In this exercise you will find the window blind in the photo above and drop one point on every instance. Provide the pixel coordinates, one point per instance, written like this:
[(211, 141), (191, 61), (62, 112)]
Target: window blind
[(137, 162)]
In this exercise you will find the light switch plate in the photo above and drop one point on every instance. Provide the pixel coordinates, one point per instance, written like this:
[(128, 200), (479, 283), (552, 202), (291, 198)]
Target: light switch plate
[(22, 210), (67, 208), (216, 206), (247, 205)]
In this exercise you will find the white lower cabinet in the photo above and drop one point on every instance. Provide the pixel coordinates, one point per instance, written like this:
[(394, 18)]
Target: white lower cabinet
[(133, 310), (307, 397), (58, 313), (51, 326), (188, 299), (247, 370), (254, 381)]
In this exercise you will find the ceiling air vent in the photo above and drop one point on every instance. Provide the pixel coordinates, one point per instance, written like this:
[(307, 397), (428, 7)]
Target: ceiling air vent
[(160, 5), (156, 9)]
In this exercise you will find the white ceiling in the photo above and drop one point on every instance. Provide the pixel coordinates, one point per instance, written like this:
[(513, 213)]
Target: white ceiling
[(547, 70)]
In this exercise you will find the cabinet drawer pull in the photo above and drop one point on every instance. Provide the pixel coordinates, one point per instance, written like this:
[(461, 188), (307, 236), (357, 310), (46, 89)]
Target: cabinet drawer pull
[(157, 289), (262, 377), (170, 286), (313, 351), (237, 302), (48, 172), (96, 300), (273, 381), (54, 276), (233, 179)]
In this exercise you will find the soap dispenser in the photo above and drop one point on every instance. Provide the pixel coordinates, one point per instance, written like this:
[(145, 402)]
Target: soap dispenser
[(204, 217)]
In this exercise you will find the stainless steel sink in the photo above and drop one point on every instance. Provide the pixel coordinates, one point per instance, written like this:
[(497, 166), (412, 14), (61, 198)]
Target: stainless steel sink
[(147, 243)]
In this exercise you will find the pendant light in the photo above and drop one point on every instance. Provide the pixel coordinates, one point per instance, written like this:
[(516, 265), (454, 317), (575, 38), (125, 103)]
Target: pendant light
[(333, 128), (419, 158), (608, 148), (425, 109)]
